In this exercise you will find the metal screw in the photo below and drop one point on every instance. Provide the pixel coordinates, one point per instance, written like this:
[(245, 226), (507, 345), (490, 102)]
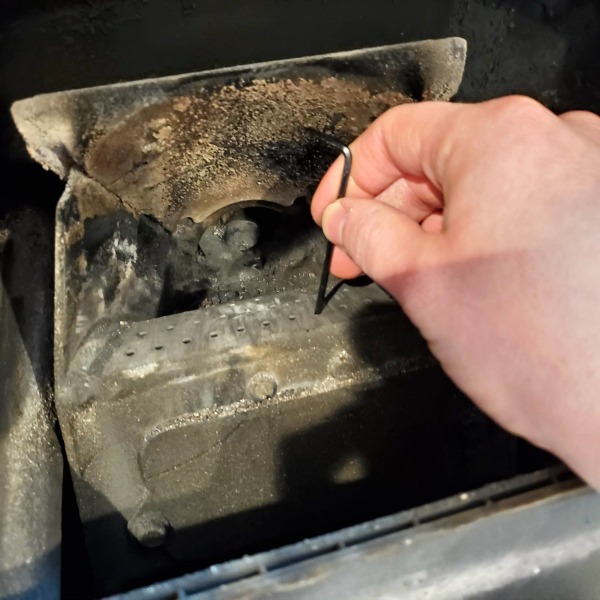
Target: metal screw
[(241, 234), (262, 386), (341, 365), (149, 528)]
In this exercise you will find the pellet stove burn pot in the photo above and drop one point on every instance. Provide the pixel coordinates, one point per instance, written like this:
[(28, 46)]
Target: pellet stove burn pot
[(206, 411)]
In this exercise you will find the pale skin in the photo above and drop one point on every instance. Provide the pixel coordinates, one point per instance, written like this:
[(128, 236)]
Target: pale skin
[(483, 221)]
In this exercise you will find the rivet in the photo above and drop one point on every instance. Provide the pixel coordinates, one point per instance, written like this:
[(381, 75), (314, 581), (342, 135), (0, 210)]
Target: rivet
[(262, 386), (341, 365), (149, 528)]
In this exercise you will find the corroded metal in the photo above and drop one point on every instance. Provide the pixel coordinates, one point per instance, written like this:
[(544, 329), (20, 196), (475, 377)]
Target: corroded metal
[(30, 457), (183, 427), (187, 146)]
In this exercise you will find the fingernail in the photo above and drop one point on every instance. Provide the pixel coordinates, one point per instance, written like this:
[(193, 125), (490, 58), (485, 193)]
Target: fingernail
[(334, 219)]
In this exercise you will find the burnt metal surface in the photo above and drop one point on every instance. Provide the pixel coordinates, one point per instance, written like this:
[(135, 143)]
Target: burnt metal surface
[(546, 48), (241, 426), (249, 421), (191, 145), (30, 457), (252, 413), (207, 141), (116, 267)]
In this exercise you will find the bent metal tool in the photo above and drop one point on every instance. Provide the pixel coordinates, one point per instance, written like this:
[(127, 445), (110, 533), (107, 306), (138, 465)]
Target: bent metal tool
[(321, 294)]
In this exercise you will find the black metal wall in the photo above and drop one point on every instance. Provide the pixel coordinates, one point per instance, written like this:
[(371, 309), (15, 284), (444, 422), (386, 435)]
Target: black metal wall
[(545, 48)]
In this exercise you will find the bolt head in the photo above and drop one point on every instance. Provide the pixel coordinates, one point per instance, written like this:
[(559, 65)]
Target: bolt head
[(262, 386), (149, 528)]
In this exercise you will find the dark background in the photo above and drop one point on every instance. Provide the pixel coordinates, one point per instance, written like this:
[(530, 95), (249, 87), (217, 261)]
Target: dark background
[(548, 49)]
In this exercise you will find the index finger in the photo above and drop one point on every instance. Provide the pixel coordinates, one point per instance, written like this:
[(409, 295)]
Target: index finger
[(403, 143)]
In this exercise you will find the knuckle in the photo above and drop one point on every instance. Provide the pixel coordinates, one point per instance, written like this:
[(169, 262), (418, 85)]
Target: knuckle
[(581, 116), (517, 103), (521, 122), (519, 110)]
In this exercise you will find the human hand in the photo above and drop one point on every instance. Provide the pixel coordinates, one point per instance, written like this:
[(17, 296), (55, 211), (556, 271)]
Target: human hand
[(484, 222)]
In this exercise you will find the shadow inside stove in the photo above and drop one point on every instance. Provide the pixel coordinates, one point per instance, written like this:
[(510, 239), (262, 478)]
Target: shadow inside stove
[(409, 439)]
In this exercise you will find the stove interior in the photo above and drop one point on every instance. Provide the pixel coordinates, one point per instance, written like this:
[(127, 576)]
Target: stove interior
[(205, 412)]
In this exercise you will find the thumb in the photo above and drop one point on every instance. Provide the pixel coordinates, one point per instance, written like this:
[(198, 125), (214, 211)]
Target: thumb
[(385, 243)]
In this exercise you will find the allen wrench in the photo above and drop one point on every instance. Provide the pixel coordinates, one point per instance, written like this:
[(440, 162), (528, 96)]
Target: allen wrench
[(345, 151)]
